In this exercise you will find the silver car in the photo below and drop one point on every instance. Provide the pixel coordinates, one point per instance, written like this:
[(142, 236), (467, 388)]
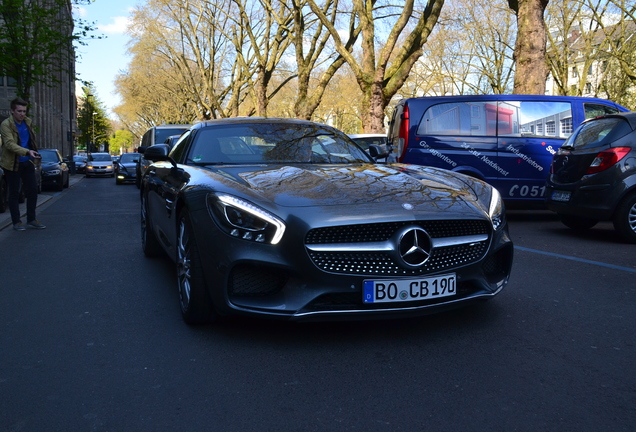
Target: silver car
[(99, 165)]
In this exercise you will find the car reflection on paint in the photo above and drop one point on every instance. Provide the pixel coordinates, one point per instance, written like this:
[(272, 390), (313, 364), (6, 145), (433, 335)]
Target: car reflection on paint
[(287, 219)]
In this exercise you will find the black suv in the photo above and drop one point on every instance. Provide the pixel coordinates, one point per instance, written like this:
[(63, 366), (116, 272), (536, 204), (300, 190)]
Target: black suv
[(155, 135), (593, 175)]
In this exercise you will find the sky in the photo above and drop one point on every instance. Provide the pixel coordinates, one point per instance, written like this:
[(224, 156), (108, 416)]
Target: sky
[(102, 59)]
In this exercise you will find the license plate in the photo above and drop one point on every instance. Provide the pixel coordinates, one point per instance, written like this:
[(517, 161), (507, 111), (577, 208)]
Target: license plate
[(563, 196), (405, 290)]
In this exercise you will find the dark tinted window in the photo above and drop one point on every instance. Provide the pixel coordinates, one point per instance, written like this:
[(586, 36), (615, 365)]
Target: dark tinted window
[(162, 134), (128, 157), (596, 110), (599, 133), (49, 156)]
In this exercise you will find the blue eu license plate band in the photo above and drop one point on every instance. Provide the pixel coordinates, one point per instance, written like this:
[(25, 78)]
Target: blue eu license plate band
[(385, 291)]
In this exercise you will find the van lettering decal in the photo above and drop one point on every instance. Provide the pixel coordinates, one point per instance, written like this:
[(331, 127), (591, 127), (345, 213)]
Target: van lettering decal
[(438, 154), (486, 160), (525, 157)]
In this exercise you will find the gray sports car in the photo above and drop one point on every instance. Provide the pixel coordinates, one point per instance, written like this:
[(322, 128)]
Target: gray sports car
[(289, 219)]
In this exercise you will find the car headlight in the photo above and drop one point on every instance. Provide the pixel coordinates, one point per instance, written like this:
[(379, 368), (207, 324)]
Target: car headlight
[(244, 220), (52, 172), (496, 210)]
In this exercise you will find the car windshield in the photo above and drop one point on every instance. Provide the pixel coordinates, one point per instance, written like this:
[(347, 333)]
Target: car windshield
[(272, 143), (49, 156), (100, 157), (79, 158), (128, 158)]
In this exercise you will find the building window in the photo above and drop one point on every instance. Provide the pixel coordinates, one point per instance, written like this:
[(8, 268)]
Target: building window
[(550, 128), (12, 82), (575, 72), (589, 70), (588, 88), (566, 126)]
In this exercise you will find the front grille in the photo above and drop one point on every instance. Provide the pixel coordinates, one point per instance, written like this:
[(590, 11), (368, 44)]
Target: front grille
[(383, 263)]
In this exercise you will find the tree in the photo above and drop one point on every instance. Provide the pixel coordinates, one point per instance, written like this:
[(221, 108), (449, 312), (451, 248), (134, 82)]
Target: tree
[(31, 34), (383, 68), (122, 141), (92, 121), (530, 47)]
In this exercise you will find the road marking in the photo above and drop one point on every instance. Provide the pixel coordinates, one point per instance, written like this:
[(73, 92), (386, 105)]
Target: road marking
[(598, 263)]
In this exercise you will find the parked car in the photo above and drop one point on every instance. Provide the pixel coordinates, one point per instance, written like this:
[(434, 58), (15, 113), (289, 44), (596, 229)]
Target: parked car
[(54, 169), (365, 140), (80, 164), (506, 140), (593, 175), (126, 168), (99, 164), (288, 219), (155, 135)]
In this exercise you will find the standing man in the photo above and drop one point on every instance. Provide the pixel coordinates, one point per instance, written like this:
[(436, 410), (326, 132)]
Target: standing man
[(18, 152)]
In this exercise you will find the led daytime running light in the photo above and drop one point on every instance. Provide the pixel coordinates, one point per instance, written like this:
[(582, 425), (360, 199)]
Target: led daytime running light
[(229, 200)]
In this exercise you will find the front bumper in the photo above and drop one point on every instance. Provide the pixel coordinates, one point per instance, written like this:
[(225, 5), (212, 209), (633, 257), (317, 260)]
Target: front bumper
[(285, 281)]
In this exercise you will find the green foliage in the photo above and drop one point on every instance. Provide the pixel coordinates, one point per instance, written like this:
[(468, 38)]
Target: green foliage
[(92, 122), (31, 34), (122, 141)]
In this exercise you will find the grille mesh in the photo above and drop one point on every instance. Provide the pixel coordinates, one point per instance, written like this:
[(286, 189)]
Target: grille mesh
[(382, 263)]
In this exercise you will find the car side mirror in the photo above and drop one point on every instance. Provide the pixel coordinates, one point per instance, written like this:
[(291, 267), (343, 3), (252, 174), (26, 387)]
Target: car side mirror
[(379, 151), (157, 152), (141, 149)]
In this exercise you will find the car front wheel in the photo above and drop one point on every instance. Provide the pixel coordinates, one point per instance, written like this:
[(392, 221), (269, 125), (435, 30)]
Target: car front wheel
[(196, 307), (625, 219)]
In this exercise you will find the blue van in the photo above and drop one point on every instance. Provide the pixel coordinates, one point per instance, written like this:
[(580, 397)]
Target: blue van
[(506, 140)]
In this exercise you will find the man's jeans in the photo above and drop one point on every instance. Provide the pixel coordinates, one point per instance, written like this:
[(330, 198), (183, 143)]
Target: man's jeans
[(25, 176)]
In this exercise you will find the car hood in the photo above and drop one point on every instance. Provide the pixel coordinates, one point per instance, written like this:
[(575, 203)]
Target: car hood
[(355, 185), (50, 165), (129, 165)]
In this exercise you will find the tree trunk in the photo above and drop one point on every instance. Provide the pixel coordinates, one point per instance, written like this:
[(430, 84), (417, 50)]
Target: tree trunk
[(530, 48)]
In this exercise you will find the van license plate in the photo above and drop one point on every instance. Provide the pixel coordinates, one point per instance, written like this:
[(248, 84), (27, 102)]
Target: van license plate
[(405, 290), (562, 196)]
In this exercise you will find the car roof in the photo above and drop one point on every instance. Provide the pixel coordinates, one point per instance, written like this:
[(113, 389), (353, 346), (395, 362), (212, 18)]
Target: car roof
[(367, 135)]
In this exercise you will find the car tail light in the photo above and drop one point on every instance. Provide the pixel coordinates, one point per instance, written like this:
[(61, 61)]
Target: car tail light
[(606, 159), (403, 138)]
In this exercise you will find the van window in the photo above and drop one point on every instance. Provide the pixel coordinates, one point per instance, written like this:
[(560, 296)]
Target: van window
[(541, 119), (595, 110), (460, 118), (504, 118)]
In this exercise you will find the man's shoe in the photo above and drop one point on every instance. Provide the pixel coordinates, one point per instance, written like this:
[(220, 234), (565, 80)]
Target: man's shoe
[(19, 227), (35, 224)]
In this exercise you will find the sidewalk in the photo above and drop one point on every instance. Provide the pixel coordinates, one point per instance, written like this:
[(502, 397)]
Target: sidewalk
[(45, 196)]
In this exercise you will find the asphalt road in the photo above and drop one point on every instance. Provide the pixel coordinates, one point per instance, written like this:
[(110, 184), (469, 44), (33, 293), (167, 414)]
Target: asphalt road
[(91, 339)]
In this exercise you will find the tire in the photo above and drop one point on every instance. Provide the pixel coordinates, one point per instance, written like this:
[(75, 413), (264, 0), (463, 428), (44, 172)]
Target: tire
[(196, 307), (625, 219), (577, 223), (149, 242), (60, 184), (68, 181)]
